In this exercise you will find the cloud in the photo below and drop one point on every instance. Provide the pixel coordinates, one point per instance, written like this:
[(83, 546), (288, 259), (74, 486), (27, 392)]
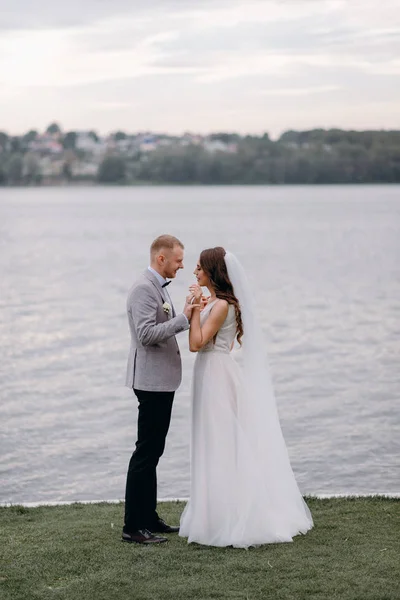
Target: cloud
[(104, 105), (307, 91), (202, 64), (49, 14)]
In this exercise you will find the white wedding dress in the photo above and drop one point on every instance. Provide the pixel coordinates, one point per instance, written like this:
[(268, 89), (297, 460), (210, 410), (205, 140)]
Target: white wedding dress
[(243, 491)]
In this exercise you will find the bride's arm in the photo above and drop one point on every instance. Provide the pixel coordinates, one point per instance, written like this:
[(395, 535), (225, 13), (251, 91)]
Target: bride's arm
[(200, 336)]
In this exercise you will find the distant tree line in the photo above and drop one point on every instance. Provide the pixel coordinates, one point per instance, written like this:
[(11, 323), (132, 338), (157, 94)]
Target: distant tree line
[(308, 157), (297, 157)]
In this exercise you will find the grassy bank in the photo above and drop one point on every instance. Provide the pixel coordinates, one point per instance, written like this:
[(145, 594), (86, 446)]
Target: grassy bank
[(75, 553)]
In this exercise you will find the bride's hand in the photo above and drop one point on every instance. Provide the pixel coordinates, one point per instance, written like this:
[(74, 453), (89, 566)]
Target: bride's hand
[(190, 304), (196, 291), (203, 302), (189, 299)]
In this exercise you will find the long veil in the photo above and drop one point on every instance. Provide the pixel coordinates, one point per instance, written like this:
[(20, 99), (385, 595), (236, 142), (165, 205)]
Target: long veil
[(259, 429)]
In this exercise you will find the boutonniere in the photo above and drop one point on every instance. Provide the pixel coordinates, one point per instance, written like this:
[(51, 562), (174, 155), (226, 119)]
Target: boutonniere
[(166, 307)]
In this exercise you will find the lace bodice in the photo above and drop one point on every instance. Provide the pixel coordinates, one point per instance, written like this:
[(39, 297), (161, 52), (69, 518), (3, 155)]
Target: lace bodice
[(227, 333)]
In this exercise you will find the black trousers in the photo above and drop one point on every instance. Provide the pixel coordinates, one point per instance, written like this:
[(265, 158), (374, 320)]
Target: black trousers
[(141, 482)]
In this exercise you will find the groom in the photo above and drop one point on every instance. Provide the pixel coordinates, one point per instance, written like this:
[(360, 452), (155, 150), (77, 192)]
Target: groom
[(154, 373)]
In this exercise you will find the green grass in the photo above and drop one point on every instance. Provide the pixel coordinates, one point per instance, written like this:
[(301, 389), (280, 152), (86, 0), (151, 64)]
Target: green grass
[(74, 552)]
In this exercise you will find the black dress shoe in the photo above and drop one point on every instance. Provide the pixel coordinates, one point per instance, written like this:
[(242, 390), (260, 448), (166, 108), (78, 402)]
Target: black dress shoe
[(142, 536), (160, 526)]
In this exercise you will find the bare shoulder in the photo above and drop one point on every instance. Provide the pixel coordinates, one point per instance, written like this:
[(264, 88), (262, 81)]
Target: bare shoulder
[(223, 303), (220, 308)]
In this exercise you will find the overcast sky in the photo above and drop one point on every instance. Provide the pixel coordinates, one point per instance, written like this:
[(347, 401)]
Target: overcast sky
[(199, 65)]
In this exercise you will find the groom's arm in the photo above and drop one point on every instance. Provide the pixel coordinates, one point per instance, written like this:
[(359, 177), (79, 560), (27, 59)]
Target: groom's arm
[(143, 307)]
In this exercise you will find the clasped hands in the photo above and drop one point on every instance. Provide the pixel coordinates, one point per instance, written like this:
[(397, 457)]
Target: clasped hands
[(195, 299)]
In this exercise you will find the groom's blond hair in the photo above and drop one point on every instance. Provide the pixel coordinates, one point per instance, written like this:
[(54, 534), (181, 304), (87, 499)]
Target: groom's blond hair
[(164, 241)]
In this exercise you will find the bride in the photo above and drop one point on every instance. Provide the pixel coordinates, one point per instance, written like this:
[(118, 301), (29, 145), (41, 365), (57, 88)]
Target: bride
[(243, 491)]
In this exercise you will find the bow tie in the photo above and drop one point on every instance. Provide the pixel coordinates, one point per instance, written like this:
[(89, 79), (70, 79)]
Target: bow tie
[(166, 283)]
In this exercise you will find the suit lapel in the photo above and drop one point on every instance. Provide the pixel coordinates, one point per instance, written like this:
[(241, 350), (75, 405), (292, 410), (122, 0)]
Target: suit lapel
[(151, 277)]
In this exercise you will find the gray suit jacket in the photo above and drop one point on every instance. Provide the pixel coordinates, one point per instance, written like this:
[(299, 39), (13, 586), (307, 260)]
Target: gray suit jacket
[(154, 362)]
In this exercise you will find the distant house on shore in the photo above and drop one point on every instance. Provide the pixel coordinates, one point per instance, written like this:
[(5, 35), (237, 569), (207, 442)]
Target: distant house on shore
[(46, 143), (219, 146), (87, 142)]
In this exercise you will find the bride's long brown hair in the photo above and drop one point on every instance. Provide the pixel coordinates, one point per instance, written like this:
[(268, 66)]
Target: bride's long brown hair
[(212, 261)]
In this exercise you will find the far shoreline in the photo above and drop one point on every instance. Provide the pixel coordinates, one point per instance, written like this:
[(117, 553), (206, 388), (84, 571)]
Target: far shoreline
[(148, 184)]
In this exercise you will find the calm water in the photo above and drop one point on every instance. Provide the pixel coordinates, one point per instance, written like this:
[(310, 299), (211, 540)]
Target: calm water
[(325, 264)]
